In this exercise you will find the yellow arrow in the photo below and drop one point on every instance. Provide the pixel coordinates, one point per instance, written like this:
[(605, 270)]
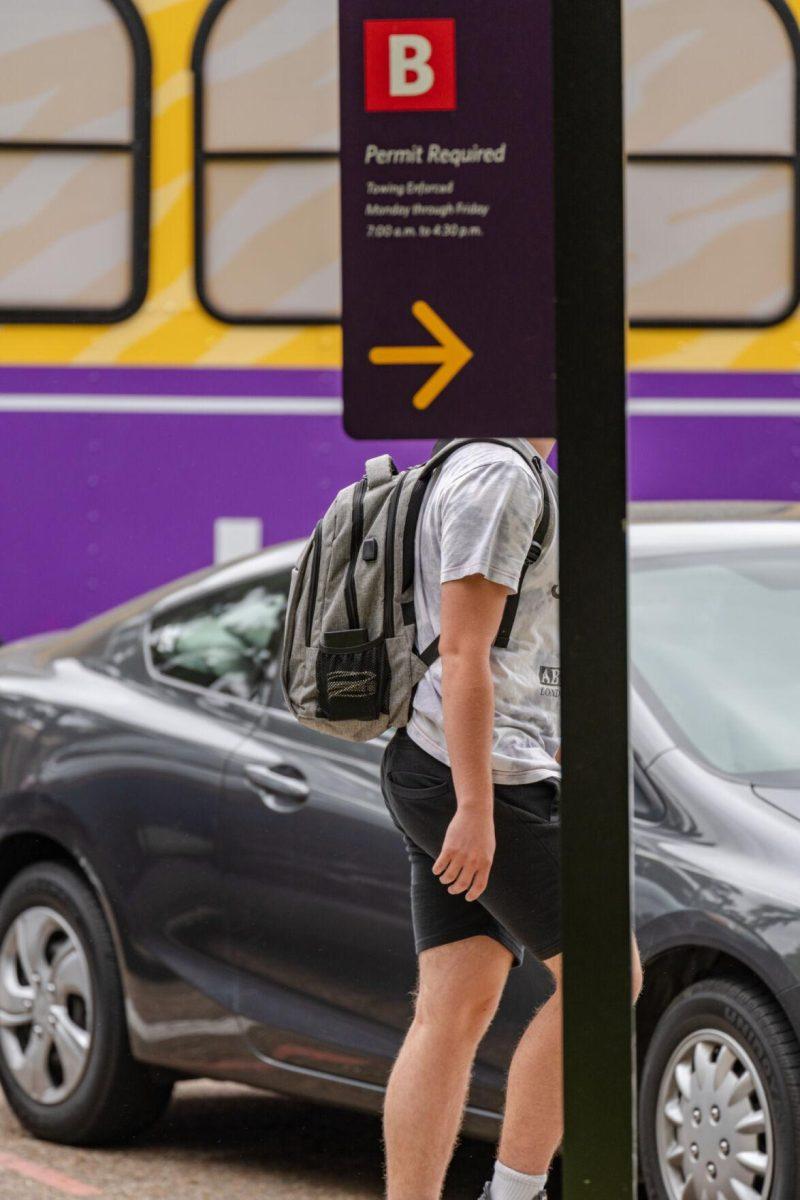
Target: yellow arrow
[(451, 354)]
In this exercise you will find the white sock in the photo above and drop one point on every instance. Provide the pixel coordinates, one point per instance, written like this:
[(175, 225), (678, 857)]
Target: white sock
[(508, 1184)]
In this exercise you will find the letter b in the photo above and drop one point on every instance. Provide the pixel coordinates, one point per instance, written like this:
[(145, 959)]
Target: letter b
[(409, 64), (410, 72)]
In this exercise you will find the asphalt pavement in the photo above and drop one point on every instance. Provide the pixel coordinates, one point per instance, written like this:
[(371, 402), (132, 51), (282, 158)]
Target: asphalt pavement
[(223, 1140)]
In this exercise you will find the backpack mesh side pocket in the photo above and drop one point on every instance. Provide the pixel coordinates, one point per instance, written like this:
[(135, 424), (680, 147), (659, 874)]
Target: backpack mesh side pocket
[(353, 682)]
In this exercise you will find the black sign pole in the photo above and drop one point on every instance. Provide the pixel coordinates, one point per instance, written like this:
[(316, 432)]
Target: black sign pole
[(599, 1087)]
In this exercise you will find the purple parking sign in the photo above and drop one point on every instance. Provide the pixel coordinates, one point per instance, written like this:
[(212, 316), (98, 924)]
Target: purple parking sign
[(447, 218)]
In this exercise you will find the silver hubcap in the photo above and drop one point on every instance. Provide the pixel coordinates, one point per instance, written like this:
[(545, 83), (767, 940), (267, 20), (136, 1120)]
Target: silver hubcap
[(45, 1004), (714, 1130)]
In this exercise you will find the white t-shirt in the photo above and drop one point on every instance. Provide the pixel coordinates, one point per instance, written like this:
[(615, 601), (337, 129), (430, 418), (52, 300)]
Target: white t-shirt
[(478, 518)]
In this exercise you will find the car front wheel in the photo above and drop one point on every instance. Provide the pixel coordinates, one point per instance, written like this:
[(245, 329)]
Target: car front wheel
[(65, 1062), (719, 1102)]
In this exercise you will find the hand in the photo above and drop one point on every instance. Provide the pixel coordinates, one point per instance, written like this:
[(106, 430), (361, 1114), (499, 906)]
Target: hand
[(557, 755), (467, 854)]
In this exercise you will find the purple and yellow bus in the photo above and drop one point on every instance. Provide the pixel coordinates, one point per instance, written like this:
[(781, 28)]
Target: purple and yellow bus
[(170, 294)]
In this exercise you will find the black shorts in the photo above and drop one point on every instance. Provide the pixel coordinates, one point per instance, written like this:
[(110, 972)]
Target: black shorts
[(521, 906)]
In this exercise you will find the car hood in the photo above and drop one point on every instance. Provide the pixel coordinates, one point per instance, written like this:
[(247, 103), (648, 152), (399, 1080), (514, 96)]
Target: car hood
[(29, 652), (787, 799)]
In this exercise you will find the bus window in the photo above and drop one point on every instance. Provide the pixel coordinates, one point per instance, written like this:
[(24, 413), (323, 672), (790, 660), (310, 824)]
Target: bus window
[(267, 161), (713, 161), (74, 151)]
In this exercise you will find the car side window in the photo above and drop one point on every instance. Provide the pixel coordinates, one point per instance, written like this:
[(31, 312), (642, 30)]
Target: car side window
[(647, 804), (227, 642)]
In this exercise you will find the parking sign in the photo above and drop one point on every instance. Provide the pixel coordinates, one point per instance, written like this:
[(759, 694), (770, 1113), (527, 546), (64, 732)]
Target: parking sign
[(447, 200)]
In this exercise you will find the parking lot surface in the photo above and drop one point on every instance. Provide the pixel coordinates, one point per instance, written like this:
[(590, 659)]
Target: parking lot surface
[(220, 1139)]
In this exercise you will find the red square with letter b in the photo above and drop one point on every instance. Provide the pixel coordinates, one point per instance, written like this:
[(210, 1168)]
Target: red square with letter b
[(410, 65)]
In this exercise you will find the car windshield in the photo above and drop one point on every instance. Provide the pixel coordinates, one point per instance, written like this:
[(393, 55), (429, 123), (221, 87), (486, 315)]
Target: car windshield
[(714, 640)]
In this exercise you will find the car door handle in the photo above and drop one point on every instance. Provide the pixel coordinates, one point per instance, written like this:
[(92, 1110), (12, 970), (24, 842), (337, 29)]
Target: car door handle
[(281, 788)]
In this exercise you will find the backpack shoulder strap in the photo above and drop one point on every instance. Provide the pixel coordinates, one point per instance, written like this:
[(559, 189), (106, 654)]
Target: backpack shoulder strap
[(533, 556), (445, 447), (441, 452), (439, 455)]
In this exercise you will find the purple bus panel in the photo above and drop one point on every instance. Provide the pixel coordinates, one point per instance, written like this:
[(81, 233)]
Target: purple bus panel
[(112, 481)]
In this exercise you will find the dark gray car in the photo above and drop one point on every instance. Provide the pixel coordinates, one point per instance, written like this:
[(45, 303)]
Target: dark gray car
[(191, 884)]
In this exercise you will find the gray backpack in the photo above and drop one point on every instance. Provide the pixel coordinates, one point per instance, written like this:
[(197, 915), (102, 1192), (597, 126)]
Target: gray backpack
[(350, 661)]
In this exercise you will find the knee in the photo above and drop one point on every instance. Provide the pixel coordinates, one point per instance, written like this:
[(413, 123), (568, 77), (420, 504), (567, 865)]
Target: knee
[(462, 1017), (637, 980)]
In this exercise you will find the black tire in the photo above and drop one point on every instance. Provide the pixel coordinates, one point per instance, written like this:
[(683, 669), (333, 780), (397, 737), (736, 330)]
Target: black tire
[(117, 1097), (751, 1018)]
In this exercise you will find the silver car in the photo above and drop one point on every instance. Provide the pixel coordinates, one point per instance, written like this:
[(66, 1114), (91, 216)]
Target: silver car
[(192, 884)]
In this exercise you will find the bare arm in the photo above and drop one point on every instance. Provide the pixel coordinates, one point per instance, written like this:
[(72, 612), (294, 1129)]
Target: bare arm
[(472, 609)]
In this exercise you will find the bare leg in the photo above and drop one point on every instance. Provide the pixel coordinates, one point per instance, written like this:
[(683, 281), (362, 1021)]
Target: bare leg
[(460, 986), (533, 1124)]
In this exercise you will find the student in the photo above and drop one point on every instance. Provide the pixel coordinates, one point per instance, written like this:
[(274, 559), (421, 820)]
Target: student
[(474, 783)]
